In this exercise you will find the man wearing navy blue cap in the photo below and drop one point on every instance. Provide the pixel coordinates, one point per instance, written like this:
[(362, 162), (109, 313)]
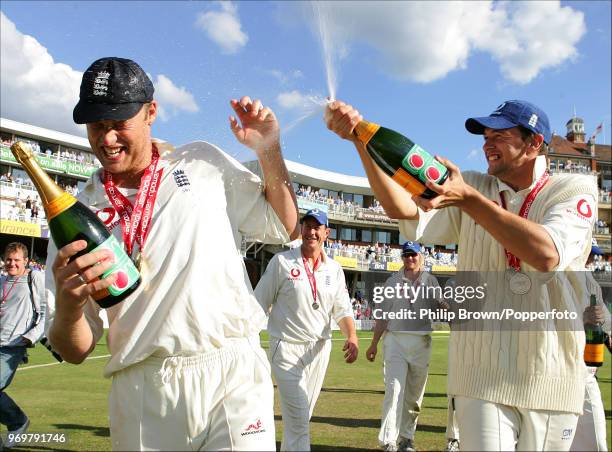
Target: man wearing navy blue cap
[(518, 222), (188, 371), (304, 290), (407, 350)]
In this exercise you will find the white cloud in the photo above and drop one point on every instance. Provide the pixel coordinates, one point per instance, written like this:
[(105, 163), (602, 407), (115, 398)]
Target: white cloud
[(285, 78), (172, 99), (475, 154), (424, 41), (33, 88), (223, 27), (295, 100)]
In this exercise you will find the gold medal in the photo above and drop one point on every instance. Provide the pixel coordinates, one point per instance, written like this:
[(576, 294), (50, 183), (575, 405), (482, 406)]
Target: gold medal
[(137, 259)]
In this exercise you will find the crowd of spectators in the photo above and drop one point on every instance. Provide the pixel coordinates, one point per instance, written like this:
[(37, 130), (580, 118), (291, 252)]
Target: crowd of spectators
[(601, 227), (361, 307), (383, 253), (570, 167), (605, 196), (336, 204), (601, 266), (61, 153), (25, 204)]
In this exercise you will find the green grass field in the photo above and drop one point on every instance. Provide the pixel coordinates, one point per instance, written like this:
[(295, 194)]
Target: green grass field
[(72, 400)]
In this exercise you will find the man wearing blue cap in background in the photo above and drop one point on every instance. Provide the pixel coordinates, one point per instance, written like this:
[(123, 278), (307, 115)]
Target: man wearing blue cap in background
[(512, 389), (407, 349), (303, 291)]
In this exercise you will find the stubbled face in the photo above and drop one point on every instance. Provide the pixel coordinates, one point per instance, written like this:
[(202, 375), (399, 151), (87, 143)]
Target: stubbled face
[(124, 147), (506, 153), (15, 263), (412, 261), (313, 234)]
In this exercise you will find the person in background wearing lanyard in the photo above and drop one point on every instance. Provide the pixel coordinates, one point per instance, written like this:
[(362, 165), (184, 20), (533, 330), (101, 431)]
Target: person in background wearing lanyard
[(407, 350), (187, 367), (512, 389), (304, 290), (21, 325)]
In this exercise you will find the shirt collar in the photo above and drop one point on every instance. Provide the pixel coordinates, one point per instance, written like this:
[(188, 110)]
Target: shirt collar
[(300, 256), (539, 168)]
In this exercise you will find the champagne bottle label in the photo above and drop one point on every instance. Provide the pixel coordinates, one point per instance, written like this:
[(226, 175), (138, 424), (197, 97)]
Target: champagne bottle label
[(423, 165), (126, 272), (594, 353)]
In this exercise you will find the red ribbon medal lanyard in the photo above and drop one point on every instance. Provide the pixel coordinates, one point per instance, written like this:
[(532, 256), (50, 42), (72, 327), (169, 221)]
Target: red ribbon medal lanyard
[(312, 280), (136, 219), (520, 283)]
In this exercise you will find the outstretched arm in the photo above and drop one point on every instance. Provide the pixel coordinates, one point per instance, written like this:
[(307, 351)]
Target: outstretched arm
[(397, 202), (256, 127)]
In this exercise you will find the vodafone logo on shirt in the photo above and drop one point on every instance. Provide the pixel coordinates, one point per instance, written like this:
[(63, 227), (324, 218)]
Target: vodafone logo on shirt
[(295, 274), (584, 208), (109, 217)]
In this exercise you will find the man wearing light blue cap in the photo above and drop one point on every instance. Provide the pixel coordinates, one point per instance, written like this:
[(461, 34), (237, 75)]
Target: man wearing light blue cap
[(303, 290), (512, 389)]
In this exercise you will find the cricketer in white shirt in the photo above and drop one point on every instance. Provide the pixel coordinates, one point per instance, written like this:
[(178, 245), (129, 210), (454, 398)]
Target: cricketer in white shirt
[(304, 290)]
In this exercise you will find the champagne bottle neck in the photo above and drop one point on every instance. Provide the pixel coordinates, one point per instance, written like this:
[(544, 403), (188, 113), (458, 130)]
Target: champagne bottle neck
[(365, 131), (54, 199)]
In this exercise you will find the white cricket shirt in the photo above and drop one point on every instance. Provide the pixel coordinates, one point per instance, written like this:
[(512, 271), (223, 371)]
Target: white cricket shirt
[(195, 292), (284, 290)]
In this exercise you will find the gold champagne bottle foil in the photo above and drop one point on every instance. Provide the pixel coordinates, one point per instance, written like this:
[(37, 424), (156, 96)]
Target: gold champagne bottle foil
[(54, 199), (365, 131)]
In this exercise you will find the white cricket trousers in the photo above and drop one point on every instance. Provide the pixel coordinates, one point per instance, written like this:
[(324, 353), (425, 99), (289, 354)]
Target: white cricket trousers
[(591, 429), (491, 426), (405, 368), (220, 400), (299, 370)]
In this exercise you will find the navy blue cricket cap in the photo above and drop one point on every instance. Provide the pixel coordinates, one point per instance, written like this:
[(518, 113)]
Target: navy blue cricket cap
[(112, 88), (411, 247), (513, 113), (317, 214)]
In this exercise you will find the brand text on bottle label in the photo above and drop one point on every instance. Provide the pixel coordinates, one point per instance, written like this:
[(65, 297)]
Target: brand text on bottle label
[(126, 272)]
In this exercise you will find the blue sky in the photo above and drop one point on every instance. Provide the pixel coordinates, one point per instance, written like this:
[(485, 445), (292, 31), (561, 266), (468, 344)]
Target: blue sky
[(420, 68)]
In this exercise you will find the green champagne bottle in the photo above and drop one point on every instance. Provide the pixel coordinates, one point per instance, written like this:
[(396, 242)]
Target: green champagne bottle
[(405, 162), (594, 349), (70, 220)]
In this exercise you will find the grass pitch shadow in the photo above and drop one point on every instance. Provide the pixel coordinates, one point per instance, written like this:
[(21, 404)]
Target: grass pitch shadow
[(352, 391), (325, 448), (98, 431)]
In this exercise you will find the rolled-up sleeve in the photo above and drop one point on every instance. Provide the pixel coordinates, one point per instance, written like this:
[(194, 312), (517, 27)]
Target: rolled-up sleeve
[(342, 302), (569, 224)]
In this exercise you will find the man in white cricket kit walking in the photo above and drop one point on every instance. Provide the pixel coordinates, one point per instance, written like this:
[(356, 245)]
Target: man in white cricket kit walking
[(304, 290), (407, 351)]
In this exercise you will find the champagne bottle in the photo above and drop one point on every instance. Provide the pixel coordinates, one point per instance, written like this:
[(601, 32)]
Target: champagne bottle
[(594, 349), (407, 163), (70, 220)]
